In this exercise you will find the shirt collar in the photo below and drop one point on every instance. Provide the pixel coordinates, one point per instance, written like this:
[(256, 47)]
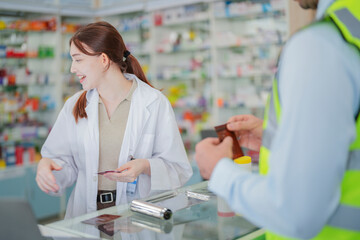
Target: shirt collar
[(321, 8), (131, 91)]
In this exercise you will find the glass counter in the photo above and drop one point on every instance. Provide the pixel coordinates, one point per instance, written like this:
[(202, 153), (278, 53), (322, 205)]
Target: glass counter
[(192, 218)]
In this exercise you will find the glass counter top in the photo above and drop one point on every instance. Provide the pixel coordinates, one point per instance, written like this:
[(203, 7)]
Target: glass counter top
[(193, 218)]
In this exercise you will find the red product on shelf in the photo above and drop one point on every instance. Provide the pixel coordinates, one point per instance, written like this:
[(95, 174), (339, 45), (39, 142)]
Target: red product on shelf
[(9, 52), (11, 80), (22, 25), (19, 150), (2, 72), (35, 102), (31, 154), (38, 25), (19, 54), (32, 104), (220, 102), (239, 71), (158, 19), (51, 24)]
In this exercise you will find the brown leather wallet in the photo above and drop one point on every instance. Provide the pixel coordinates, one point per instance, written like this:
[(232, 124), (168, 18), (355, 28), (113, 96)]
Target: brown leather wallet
[(223, 132)]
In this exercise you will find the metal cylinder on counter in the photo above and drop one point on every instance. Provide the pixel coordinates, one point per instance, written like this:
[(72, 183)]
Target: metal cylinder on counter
[(150, 209)]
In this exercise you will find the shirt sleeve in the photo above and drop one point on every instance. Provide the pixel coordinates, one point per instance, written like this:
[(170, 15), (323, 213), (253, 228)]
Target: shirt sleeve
[(319, 95)]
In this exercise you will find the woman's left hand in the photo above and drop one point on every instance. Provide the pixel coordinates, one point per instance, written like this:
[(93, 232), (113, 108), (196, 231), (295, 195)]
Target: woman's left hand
[(130, 171)]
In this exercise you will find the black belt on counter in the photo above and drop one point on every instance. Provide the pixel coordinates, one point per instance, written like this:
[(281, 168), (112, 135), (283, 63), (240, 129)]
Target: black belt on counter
[(106, 196)]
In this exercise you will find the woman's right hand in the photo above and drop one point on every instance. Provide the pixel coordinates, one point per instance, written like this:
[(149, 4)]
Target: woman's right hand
[(44, 176), (248, 129)]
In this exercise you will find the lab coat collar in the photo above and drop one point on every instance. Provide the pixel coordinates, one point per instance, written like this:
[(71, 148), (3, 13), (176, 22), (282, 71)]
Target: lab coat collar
[(143, 95)]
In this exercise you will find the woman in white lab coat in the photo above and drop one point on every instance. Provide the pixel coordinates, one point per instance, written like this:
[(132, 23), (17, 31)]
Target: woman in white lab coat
[(151, 140)]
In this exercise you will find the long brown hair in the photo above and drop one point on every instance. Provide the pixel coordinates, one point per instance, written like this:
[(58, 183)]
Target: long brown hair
[(102, 37)]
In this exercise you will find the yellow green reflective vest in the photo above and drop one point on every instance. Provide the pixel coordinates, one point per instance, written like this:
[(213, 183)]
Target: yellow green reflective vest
[(344, 223)]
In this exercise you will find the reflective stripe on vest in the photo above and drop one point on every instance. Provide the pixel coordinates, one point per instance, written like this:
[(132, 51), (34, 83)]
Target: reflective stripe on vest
[(346, 15), (353, 25), (345, 221), (270, 126), (354, 161), (346, 217)]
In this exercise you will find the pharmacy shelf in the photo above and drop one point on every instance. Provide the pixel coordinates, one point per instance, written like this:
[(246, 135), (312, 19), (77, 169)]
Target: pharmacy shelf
[(29, 88)]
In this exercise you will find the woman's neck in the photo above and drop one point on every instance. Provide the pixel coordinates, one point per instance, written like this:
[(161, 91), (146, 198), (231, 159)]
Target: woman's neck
[(114, 87)]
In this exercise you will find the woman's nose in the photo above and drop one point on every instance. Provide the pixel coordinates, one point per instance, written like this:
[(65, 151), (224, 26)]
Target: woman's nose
[(72, 69)]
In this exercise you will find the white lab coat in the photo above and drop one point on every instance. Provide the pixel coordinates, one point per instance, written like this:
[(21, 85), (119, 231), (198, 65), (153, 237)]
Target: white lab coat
[(151, 133)]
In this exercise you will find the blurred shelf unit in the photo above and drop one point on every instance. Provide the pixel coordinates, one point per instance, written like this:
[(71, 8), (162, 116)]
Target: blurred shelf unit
[(248, 38), (28, 86), (181, 63), (30, 99)]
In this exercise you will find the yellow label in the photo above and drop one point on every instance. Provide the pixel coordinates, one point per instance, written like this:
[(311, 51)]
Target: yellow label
[(243, 160), (2, 163)]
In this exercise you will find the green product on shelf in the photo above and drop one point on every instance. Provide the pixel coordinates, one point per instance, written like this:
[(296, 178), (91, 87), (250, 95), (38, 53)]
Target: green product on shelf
[(46, 52), (42, 52), (50, 52)]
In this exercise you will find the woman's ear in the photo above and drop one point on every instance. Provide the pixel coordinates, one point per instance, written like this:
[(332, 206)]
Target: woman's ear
[(105, 61)]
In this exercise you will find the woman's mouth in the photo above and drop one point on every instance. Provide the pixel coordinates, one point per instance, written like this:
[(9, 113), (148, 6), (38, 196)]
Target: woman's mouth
[(82, 78)]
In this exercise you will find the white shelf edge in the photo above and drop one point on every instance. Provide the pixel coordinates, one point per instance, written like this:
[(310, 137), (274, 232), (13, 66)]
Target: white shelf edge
[(77, 12), (28, 8), (108, 11), (162, 4)]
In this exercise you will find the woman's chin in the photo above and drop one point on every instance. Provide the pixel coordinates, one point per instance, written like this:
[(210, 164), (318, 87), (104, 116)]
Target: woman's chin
[(85, 87)]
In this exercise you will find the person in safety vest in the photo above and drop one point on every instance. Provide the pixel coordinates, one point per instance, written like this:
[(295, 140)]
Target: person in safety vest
[(309, 140)]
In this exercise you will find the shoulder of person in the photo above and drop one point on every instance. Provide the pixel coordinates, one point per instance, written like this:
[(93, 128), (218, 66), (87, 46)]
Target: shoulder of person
[(324, 35)]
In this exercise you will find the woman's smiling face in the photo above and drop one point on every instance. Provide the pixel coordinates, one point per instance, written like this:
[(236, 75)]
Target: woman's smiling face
[(89, 69)]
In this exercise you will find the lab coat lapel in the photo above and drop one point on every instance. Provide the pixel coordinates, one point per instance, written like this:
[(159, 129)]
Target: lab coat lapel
[(138, 117), (142, 98), (91, 145)]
